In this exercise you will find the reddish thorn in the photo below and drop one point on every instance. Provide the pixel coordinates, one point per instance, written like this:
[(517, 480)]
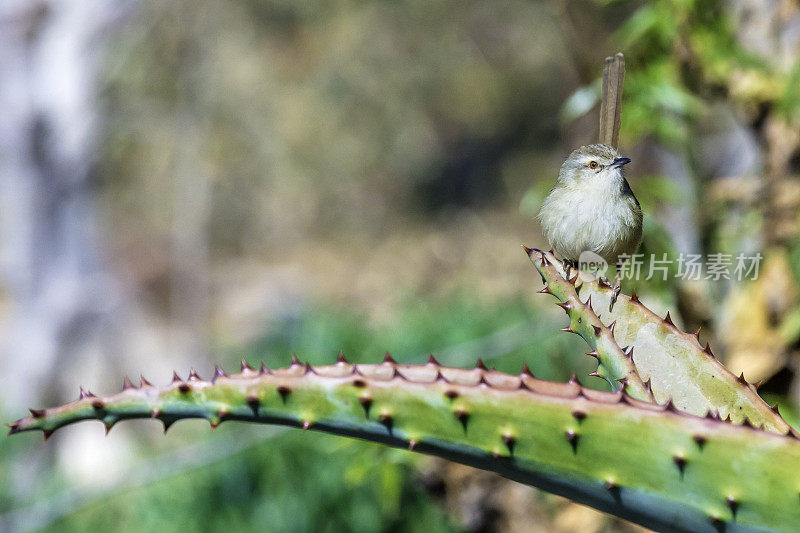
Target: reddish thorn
[(37, 413), (387, 421), (579, 415), (680, 462), (612, 326), (574, 279), (668, 319), (594, 374), (526, 370), (741, 379), (573, 379), (82, 394), (263, 369), (509, 441), (528, 251), (143, 382), (284, 391), (175, 377), (567, 329), (47, 433), (462, 417), (253, 401), (126, 384), (193, 375), (593, 353), (589, 303), (340, 357), (545, 290), (218, 373), (597, 330), (245, 366), (733, 505), (480, 364), (306, 425), (708, 350), (388, 359), (432, 361), (566, 306), (572, 438), (696, 334), (634, 298), (775, 409), (366, 403), (295, 360)]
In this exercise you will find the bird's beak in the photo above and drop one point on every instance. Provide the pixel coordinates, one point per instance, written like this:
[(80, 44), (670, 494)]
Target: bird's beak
[(618, 162)]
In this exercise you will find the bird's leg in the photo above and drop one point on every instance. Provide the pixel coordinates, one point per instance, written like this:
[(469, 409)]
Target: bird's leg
[(568, 265), (616, 288)]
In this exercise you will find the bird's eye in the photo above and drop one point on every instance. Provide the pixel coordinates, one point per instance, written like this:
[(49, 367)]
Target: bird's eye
[(593, 164)]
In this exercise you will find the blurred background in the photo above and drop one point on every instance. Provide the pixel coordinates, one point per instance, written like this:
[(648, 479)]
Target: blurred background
[(191, 182)]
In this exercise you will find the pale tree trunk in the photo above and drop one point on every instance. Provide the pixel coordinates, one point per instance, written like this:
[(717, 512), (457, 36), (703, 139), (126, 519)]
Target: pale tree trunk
[(62, 302)]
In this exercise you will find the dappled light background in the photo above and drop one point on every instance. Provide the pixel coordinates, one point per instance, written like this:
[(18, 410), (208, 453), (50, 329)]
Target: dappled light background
[(189, 183)]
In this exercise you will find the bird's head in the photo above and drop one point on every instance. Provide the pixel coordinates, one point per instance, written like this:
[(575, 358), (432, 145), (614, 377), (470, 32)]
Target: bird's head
[(592, 163)]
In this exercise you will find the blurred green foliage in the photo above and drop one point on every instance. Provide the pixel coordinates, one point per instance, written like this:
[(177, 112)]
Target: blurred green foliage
[(291, 483)]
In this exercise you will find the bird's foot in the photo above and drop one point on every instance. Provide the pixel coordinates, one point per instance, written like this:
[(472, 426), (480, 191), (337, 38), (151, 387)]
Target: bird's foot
[(616, 288)]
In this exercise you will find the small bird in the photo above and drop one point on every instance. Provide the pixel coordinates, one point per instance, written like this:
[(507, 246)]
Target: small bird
[(592, 208)]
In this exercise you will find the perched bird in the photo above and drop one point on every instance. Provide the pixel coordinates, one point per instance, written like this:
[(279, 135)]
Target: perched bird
[(592, 208)]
